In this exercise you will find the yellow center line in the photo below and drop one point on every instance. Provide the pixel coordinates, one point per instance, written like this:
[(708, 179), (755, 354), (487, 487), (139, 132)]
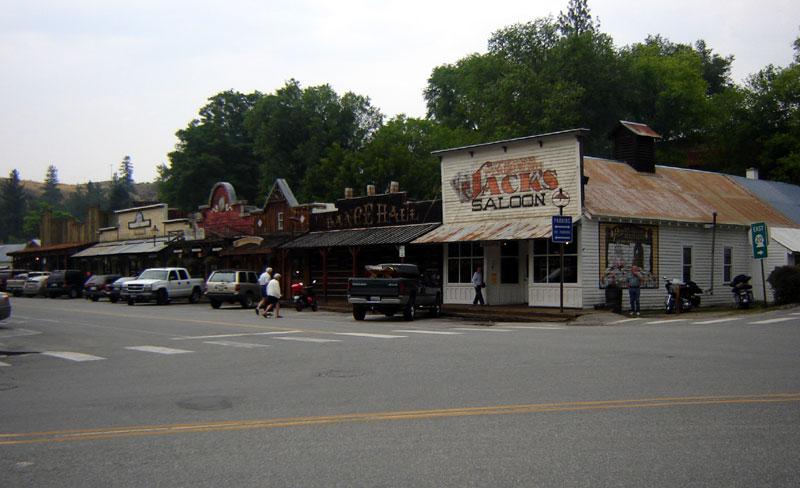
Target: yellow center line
[(105, 433)]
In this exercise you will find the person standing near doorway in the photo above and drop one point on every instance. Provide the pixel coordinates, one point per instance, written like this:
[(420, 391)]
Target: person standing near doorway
[(263, 281), (478, 283), (634, 289)]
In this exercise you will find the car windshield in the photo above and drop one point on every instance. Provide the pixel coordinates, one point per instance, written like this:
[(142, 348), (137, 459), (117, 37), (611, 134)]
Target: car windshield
[(223, 276), (153, 274)]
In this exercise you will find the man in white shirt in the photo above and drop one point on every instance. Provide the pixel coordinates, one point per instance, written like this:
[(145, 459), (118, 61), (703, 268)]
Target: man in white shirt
[(263, 280), (274, 296)]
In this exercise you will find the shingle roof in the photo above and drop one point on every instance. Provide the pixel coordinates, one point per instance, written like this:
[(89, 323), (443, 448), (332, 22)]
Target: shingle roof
[(401, 234)]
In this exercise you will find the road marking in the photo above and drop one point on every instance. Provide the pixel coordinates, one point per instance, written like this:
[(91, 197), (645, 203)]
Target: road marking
[(772, 321), (484, 329), (5, 334), (142, 430), (246, 345), (374, 336), (158, 350), (307, 339), (3, 364), (72, 356), (718, 321), (436, 332), (667, 321), (222, 336), (625, 320), (541, 326)]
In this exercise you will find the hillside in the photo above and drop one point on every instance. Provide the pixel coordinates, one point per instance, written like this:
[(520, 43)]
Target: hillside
[(145, 192)]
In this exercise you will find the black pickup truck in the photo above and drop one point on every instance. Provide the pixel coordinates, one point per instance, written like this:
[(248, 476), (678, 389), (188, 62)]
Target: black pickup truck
[(391, 288)]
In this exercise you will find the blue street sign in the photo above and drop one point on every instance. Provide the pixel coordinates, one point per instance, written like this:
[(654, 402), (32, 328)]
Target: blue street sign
[(562, 228)]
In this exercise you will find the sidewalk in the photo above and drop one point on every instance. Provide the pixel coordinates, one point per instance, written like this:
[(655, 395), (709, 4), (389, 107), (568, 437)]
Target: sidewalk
[(524, 313)]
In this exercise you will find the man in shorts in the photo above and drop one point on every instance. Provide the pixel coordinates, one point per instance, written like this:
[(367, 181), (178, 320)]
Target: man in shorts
[(263, 280), (274, 296)]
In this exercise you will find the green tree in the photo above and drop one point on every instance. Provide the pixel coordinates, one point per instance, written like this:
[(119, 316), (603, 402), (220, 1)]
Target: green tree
[(215, 147), (13, 203), (85, 197), (52, 193), (33, 218), (122, 188), (294, 128)]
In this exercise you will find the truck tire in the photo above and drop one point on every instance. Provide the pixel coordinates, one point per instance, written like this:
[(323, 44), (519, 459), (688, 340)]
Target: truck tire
[(195, 296), (436, 309), (410, 310), (161, 297), (130, 303), (247, 301), (215, 304), (359, 312)]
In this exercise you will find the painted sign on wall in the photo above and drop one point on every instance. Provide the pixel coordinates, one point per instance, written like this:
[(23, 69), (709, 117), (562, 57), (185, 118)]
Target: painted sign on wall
[(623, 246)]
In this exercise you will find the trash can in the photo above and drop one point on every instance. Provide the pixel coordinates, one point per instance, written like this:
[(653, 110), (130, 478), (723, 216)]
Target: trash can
[(614, 298)]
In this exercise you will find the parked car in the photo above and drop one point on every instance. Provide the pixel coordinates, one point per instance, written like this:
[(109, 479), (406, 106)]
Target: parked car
[(5, 306), (162, 285), (15, 285), (65, 282), (7, 274), (98, 286), (115, 289), (232, 286), (36, 284)]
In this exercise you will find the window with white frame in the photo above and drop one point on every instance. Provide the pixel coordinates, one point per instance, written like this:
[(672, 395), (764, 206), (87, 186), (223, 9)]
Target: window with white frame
[(727, 264), (687, 264), (280, 220), (547, 261)]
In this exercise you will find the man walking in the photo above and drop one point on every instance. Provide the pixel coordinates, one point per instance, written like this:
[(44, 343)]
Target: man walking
[(477, 282), (274, 296), (263, 281)]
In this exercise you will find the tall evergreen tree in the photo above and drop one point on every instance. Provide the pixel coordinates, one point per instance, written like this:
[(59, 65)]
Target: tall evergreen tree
[(13, 204), (52, 193)]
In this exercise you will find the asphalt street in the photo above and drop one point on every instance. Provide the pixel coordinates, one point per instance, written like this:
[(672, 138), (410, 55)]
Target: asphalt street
[(100, 394)]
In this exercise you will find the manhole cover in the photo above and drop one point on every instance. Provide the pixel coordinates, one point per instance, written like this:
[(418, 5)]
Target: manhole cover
[(335, 373), (206, 403)]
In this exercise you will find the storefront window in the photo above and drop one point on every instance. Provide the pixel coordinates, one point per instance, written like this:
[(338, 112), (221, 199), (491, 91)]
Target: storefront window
[(547, 262), (509, 262), (462, 260)]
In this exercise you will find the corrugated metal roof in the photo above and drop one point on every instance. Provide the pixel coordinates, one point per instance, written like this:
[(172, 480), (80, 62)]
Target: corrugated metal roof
[(615, 189), (490, 231), (783, 196), (122, 247), (401, 234), (788, 238), (640, 129)]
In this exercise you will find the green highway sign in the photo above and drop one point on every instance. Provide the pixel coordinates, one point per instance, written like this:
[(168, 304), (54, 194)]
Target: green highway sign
[(760, 239)]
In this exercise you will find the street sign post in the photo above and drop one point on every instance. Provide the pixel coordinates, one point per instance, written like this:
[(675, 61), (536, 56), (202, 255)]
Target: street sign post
[(760, 240)]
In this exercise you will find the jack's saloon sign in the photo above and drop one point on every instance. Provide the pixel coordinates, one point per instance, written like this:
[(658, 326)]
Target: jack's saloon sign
[(507, 184)]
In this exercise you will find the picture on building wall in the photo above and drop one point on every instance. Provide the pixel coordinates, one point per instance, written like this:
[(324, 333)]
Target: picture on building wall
[(623, 246)]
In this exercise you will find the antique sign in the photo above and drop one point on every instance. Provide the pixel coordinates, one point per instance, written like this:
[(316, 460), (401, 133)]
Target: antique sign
[(623, 246)]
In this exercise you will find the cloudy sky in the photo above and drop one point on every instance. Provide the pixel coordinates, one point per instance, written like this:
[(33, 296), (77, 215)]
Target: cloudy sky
[(85, 83)]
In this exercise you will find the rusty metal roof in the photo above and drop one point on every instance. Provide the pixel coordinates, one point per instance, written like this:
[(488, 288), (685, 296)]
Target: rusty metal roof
[(490, 231), (615, 189), (400, 234), (640, 129)]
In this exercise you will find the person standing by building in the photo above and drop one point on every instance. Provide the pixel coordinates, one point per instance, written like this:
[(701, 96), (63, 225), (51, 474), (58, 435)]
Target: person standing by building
[(478, 283), (274, 296), (263, 281), (634, 289)]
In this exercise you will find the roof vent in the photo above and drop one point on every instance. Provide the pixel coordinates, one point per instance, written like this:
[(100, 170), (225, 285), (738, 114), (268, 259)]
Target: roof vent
[(634, 143), (752, 173)]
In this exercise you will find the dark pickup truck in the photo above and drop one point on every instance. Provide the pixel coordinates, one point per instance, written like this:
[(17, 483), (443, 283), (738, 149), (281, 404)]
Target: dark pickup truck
[(391, 288)]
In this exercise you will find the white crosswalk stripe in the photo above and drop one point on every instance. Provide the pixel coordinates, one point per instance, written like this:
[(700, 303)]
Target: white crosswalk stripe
[(3, 364), (718, 321), (374, 336), (72, 356), (484, 329), (307, 339), (158, 350), (432, 332), (772, 321), (665, 321), (244, 345)]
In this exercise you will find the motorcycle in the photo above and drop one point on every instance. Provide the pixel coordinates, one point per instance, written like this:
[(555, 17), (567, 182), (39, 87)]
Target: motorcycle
[(304, 296), (689, 294), (742, 291)]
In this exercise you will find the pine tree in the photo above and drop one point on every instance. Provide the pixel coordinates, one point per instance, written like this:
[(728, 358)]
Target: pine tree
[(52, 193), (13, 203)]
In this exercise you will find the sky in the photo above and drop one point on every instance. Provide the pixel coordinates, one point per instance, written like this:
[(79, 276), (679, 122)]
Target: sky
[(86, 83)]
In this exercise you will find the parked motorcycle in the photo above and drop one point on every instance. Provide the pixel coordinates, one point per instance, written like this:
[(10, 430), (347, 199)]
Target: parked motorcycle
[(742, 291), (689, 294), (304, 296)]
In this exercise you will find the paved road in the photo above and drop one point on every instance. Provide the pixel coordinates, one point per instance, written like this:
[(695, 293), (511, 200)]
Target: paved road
[(95, 394)]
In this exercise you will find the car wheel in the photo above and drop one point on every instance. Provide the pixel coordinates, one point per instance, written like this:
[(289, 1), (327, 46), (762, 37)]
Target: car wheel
[(195, 296), (113, 299), (94, 299), (247, 301), (359, 312), (410, 310), (161, 297), (215, 304), (130, 303)]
